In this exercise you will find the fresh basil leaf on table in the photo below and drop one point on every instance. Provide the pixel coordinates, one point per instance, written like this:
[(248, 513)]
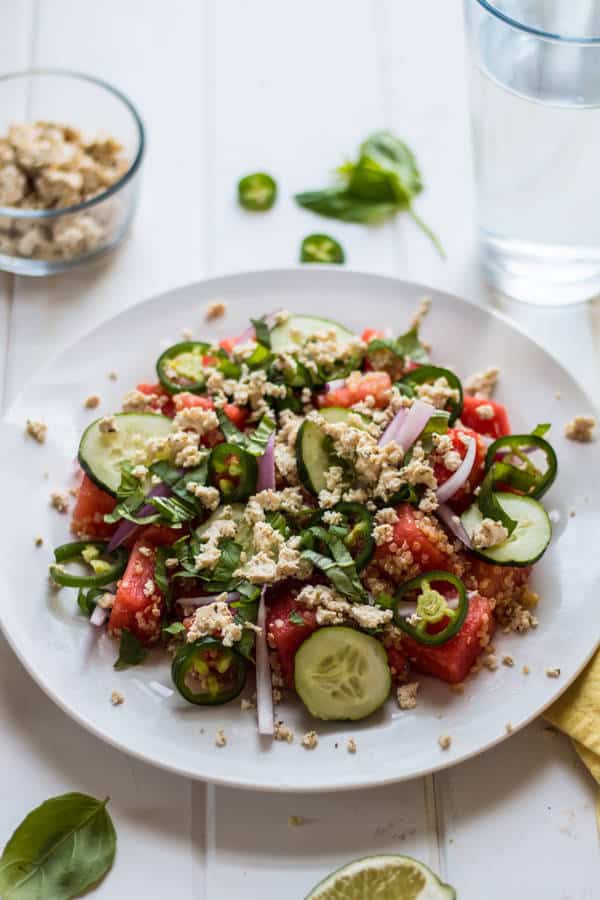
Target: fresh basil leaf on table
[(60, 850)]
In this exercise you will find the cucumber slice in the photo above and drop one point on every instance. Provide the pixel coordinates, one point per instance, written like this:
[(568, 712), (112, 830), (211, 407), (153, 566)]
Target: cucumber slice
[(101, 454), (341, 673), (528, 541), (314, 454), (283, 342)]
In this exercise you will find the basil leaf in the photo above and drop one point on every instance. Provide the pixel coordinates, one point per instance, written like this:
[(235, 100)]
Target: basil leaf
[(254, 443), (341, 580), (166, 471), (174, 629), (249, 592), (245, 612), (131, 651), (129, 485), (295, 618), (126, 510), (407, 346), (221, 577), (173, 510), (262, 331), (393, 156), (487, 501), (161, 577), (60, 850), (339, 203)]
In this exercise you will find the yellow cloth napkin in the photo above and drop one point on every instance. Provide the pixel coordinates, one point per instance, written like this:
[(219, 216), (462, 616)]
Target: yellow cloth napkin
[(577, 713)]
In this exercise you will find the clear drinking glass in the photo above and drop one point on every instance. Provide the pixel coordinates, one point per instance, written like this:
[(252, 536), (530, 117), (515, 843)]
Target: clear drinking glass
[(535, 91)]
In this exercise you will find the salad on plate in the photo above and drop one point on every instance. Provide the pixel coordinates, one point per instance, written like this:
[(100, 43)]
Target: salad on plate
[(332, 511)]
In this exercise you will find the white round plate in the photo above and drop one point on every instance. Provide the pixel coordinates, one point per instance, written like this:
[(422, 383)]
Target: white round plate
[(57, 645)]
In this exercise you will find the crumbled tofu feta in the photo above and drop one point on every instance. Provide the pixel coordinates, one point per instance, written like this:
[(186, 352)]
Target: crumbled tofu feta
[(482, 384), (488, 533), (37, 430), (553, 672), (581, 429), (59, 500), (422, 311), (444, 741), (92, 402), (117, 698), (283, 733), (149, 588), (139, 471), (247, 705), (351, 745), (485, 411), (406, 695), (215, 619), (208, 496), (215, 310), (310, 740), (107, 425), (220, 738), (508, 660), (508, 728)]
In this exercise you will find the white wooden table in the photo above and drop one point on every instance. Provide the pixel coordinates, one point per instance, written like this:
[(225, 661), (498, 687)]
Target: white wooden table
[(228, 87)]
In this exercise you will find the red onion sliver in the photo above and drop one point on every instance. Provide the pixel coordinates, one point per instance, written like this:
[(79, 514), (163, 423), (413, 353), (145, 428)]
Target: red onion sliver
[(99, 616), (126, 528), (264, 691), (458, 478), (411, 428), (453, 523), (390, 432), (266, 467)]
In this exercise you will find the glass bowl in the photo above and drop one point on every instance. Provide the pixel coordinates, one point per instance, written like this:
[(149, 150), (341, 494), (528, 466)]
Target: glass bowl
[(43, 241)]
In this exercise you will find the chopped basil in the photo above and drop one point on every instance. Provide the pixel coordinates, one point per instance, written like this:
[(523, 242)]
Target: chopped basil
[(174, 629), (262, 331), (254, 443), (131, 651)]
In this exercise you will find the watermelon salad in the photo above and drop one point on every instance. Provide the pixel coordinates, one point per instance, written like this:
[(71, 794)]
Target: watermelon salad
[(316, 511)]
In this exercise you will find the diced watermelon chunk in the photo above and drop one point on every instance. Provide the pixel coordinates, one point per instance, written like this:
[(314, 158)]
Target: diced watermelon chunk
[(398, 663), (90, 508), (496, 425), (453, 661), (161, 399), (358, 387), (419, 535), (139, 604), (285, 634), (499, 583)]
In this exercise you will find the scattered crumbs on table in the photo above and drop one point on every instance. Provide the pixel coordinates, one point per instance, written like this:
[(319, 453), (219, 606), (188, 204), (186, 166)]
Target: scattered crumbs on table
[(553, 672), (572, 513), (220, 738), (295, 820), (39, 541), (444, 741), (508, 660), (351, 745), (117, 698), (310, 740), (557, 395), (283, 733), (526, 670), (508, 728), (113, 375), (187, 334), (458, 687), (37, 430), (92, 402), (215, 310)]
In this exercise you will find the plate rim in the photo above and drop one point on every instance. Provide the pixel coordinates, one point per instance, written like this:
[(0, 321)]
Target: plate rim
[(359, 783)]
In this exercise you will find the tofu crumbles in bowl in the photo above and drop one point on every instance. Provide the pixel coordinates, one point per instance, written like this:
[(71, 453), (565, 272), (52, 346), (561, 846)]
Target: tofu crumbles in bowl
[(70, 153), (333, 513)]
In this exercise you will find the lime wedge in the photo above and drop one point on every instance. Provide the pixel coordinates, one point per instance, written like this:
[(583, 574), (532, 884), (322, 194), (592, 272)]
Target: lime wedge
[(383, 878)]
